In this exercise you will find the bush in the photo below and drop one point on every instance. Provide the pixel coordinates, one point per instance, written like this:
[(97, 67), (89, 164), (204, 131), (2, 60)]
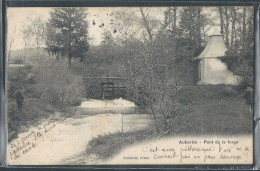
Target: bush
[(59, 86), (33, 111), (241, 64), (197, 93), (22, 77), (106, 146), (94, 89)]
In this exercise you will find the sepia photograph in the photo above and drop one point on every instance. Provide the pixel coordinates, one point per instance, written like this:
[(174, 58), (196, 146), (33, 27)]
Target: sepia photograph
[(166, 85)]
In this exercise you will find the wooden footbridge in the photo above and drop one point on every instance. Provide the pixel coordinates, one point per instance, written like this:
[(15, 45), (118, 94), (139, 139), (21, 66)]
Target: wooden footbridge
[(111, 87)]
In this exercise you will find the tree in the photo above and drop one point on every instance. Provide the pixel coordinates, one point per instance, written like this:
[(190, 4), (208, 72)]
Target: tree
[(191, 25), (150, 79), (189, 40), (233, 26), (139, 23), (227, 26), (146, 25), (107, 38), (240, 52), (38, 32), (170, 20), (67, 33), (220, 9), (11, 41), (26, 35), (244, 29)]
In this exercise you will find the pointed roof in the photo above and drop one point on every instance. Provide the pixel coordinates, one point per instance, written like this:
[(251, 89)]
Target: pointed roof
[(215, 46)]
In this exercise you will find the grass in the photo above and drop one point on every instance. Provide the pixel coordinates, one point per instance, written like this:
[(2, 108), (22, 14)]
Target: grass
[(215, 110), (226, 116), (106, 146)]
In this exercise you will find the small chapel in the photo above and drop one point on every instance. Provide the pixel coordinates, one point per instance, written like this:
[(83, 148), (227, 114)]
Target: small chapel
[(210, 68)]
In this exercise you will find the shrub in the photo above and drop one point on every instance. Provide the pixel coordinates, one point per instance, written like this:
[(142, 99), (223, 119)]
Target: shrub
[(33, 111), (59, 86), (105, 146), (22, 77), (93, 88)]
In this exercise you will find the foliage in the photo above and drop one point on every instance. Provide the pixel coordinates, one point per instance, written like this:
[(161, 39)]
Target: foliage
[(105, 146), (132, 24), (37, 29), (187, 40), (22, 77), (67, 33), (93, 89), (34, 111), (61, 88), (152, 82), (34, 36), (241, 64), (192, 22), (239, 41)]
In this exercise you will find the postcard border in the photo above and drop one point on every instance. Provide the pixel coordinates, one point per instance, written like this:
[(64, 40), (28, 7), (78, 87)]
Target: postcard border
[(51, 3)]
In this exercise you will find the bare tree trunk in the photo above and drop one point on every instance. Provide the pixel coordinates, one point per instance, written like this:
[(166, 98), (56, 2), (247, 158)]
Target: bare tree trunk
[(174, 21), (162, 111), (170, 19), (154, 117), (146, 25), (9, 53), (227, 27), (175, 17), (199, 26), (69, 61), (8, 57), (244, 29), (233, 27), (25, 53), (221, 20), (235, 30), (10, 44), (69, 43)]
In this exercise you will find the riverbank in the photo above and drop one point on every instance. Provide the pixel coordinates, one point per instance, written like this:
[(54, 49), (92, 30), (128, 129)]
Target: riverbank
[(106, 146), (35, 112), (57, 140)]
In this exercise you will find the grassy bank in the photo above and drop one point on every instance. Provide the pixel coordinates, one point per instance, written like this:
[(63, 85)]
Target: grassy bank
[(215, 110), (35, 111), (110, 144)]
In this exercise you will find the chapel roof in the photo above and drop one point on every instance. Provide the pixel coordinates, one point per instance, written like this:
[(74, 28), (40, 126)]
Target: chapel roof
[(215, 47)]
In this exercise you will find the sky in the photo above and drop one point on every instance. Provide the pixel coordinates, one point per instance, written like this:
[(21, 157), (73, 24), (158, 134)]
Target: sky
[(19, 16)]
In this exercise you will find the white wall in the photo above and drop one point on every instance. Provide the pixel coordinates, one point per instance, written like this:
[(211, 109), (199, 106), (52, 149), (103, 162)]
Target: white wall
[(214, 71)]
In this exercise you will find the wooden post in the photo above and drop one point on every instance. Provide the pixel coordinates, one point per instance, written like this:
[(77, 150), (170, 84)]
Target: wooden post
[(103, 93), (122, 124)]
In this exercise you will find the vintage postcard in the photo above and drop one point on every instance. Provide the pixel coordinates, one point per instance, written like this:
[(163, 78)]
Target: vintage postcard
[(130, 85)]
